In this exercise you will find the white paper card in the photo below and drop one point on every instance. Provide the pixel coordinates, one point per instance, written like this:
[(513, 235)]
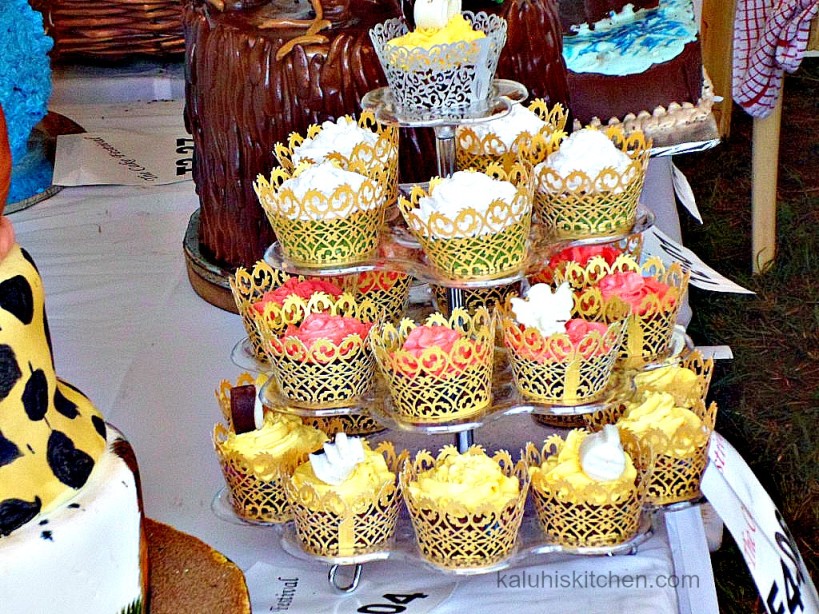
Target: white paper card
[(684, 192), (279, 589), (717, 352), (123, 158), (656, 243), (760, 531)]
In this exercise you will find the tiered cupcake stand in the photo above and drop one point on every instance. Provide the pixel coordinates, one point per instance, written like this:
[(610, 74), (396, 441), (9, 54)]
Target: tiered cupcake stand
[(407, 256)]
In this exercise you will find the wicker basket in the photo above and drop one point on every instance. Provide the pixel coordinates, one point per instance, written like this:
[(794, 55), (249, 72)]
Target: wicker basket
[(113, 30)]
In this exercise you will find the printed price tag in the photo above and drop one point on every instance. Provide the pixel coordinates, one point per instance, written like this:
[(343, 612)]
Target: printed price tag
[(279, 589), (758, 527), (123, 158), (684, 192), (656, 243)]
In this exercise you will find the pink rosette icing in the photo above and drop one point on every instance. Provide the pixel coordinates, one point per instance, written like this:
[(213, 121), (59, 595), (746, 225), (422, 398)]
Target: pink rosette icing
[(580, 254), (425, 337), (332, 328), (632, 288), (304, 289)]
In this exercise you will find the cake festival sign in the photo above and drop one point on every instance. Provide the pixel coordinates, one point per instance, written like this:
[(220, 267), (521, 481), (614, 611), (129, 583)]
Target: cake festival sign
[(123, 158)]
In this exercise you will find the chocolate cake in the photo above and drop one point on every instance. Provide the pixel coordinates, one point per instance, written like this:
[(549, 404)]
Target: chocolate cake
[(257, 73)]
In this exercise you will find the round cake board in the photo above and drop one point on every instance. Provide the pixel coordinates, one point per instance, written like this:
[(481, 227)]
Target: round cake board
[(189, 577), (209, 280)]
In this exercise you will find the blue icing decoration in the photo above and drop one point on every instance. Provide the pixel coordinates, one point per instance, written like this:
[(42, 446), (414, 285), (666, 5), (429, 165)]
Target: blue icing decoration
[(25, 73), (629, 43)]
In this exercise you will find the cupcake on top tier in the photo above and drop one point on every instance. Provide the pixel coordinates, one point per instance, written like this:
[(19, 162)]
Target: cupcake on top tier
[(586, 489), (348, 142), (678, 437), (439, 370), (446, 65), (345, 498), (473, 224), (525, 133), (590, 183), (467, 508), (324, 214), (557, 358)]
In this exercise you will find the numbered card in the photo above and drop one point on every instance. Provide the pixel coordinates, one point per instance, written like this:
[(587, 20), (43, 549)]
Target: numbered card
[(760, 531), (123, 158), (401, 590), (656, 243)]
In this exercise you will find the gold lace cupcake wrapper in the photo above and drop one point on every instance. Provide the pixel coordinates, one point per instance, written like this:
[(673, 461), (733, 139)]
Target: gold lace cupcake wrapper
[(247, 288), (593, 516), (327, 525), (454, 537), (475, 245), (256, 485), (320, 230), (350, 424), (438, 385), (473, 298), (580, 206), (381, 156), (389, 291), (325, 375), (474, 151)]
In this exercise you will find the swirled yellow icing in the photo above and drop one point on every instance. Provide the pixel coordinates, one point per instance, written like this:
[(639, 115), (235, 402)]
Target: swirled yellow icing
[(281, 436), (457, 29), (364, 482), (470, 480), (671, 378), (658, 411), (564, 475)]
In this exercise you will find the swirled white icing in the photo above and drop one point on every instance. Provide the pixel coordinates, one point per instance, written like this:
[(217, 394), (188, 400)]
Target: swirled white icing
[(630, 42), (340, 136)]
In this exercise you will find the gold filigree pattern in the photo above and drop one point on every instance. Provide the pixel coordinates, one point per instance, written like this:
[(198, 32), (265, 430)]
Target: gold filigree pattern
[(327, 525), (473, 298), (256, 487), (389, 290), (680, 460), (247, 288), (475, 245), (454, 537), (474, 151), (322, 230), (381, 156), (579, 206), (350, 424), (569, 421), (438, 385), (555, 370), (323, 375), (595, 515)]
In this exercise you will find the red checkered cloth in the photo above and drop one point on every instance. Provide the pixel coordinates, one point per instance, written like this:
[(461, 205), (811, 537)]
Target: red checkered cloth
[(770, 37)]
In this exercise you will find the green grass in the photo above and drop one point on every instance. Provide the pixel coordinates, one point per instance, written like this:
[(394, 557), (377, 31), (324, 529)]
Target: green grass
[(768, 396)]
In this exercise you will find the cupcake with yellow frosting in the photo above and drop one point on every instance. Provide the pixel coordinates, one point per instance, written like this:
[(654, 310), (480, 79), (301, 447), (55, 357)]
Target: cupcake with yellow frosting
[(252, 463), (587, 490), (678, 437), (345, 497), (687, 382), (466, 508), (446, 64)]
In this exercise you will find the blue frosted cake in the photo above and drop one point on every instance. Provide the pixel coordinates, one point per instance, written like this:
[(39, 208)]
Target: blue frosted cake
[(25, 87)]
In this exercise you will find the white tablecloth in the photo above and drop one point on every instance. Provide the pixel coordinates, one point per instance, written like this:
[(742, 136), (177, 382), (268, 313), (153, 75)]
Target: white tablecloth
[(130, 332)]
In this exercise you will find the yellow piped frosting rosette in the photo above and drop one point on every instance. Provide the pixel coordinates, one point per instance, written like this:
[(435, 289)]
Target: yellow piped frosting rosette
[(357, 513), (678, 437), (577, 509), (473, 243), (583, 203), (319, 229), (379, 156), (448, 372), (687, 382), (466, 508), (253, 463), (323, 372), (561, 348), (478, 148)]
